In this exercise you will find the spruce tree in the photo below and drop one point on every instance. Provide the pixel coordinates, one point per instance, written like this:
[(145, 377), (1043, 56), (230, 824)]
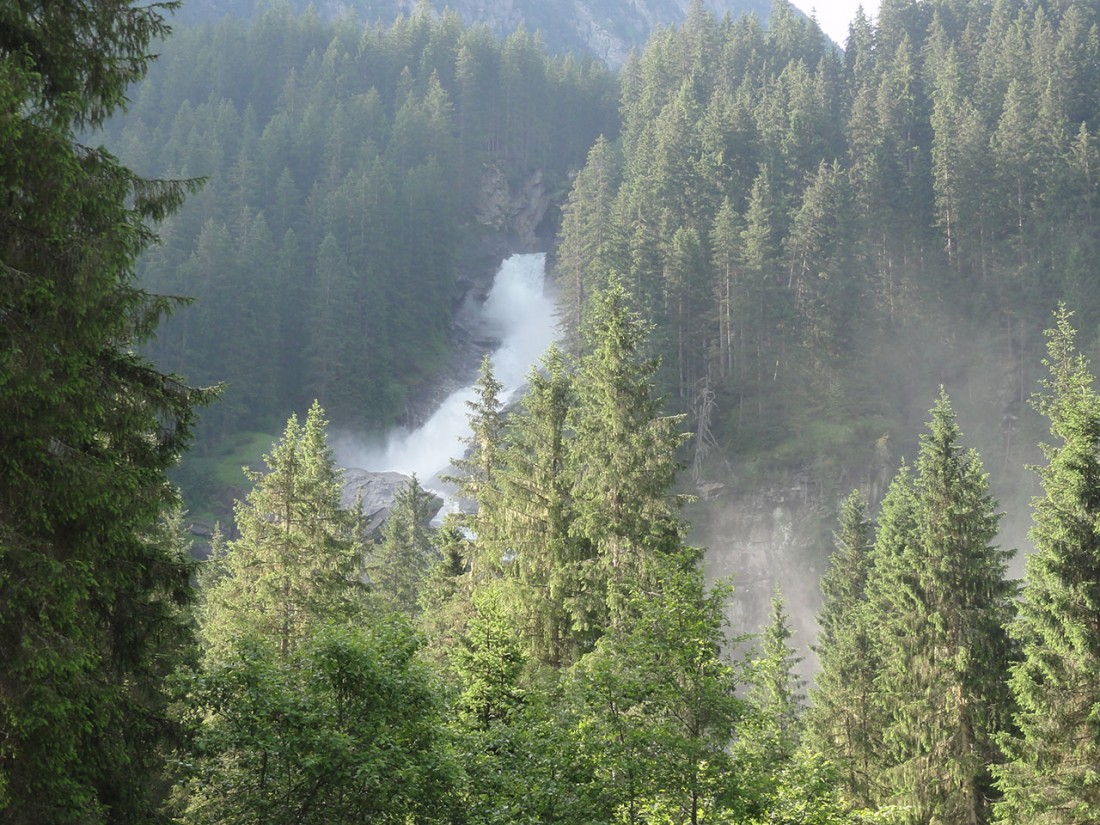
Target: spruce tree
[(1050, 774), (775, 692), (623, 458), (399, 565), (536, 491), (841, 720), (477, 472), (297, 562), (940, 600), (588, 234), (445, 598), (655, 703), (304, 706), (89, 589)]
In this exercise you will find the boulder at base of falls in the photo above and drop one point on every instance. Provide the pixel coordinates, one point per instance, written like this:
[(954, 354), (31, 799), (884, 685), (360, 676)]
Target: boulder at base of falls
[(379, 493)]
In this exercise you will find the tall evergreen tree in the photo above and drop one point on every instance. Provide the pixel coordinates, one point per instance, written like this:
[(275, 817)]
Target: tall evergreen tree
[(941, 605), (623, 457), (89, 590), (297, 562), (537, 496), (763, 306), (843, 719), (727, 286), (399, 564), (1050, 773), (775, 692), (686, 299), (657, 709), (478, 471), (305, 707)]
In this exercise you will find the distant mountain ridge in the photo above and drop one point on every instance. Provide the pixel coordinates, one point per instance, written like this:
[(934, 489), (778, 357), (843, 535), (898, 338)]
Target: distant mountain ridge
[(607, 29)]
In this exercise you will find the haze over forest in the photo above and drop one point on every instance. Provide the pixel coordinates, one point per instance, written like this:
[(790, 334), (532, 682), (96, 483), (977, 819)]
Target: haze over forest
[(820, 310)]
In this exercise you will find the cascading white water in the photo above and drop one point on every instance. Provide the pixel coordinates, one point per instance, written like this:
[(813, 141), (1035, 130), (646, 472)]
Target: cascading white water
[(520, 314)]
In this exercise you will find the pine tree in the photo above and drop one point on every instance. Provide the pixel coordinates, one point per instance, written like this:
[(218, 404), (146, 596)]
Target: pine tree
[(399, 565), (537, 495), (764, 304), (297, 562), (940, 600), (488, 663), (1050, 772), (477, 472), (623, 459), (297, 678), (90, 593), (775, 691), (841, 720), (335, 335), (588, 234), (445, 596), (685, 280), (727, 288), (818, 272), (655, 703)]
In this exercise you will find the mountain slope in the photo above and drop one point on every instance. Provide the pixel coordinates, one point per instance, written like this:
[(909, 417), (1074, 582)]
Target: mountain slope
[(608, 29)]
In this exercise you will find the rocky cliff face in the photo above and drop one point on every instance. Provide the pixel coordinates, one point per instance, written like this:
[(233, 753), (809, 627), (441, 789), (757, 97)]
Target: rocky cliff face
[(779, 535), (514, 212)]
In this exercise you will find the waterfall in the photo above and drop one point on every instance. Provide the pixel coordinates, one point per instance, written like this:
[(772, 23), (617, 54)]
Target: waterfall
[(517, 312)]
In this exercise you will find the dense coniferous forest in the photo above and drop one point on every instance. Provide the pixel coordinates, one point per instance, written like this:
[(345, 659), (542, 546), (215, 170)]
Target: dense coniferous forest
[(769, 251), (820, 239), (607, 31), (343, 169)]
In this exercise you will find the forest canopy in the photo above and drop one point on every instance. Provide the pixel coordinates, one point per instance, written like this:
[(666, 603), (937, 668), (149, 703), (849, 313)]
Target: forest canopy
[(764, 246)]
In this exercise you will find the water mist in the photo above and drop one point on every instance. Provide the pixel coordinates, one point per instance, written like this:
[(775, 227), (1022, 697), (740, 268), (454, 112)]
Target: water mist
[(519, 313)]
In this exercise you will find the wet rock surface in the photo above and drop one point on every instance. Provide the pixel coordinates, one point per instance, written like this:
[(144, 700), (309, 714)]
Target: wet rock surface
[(377, 492)]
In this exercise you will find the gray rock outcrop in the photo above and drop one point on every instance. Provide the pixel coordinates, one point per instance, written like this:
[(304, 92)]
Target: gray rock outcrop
[(515, 212), (378, 492)]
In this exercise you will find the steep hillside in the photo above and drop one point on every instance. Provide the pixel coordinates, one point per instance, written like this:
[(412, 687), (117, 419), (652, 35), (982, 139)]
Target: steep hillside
[(820, 242), (349, 200), (608, 29)]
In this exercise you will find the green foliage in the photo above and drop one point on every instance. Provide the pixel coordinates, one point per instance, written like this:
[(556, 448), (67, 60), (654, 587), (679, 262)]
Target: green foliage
[(773, 734), (588, 245), (479, 473), (623, 458), (321, 735), (297, 561), (488, 663), (514, 733), (839, 209), (844, 720), (537, 495), (805, 792), (445, 606), (939, 601), (656, 705), (306, 705), (1050, 773), (399, 565), (345, 162), (91, 585), (774, 220), (206, 476)]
